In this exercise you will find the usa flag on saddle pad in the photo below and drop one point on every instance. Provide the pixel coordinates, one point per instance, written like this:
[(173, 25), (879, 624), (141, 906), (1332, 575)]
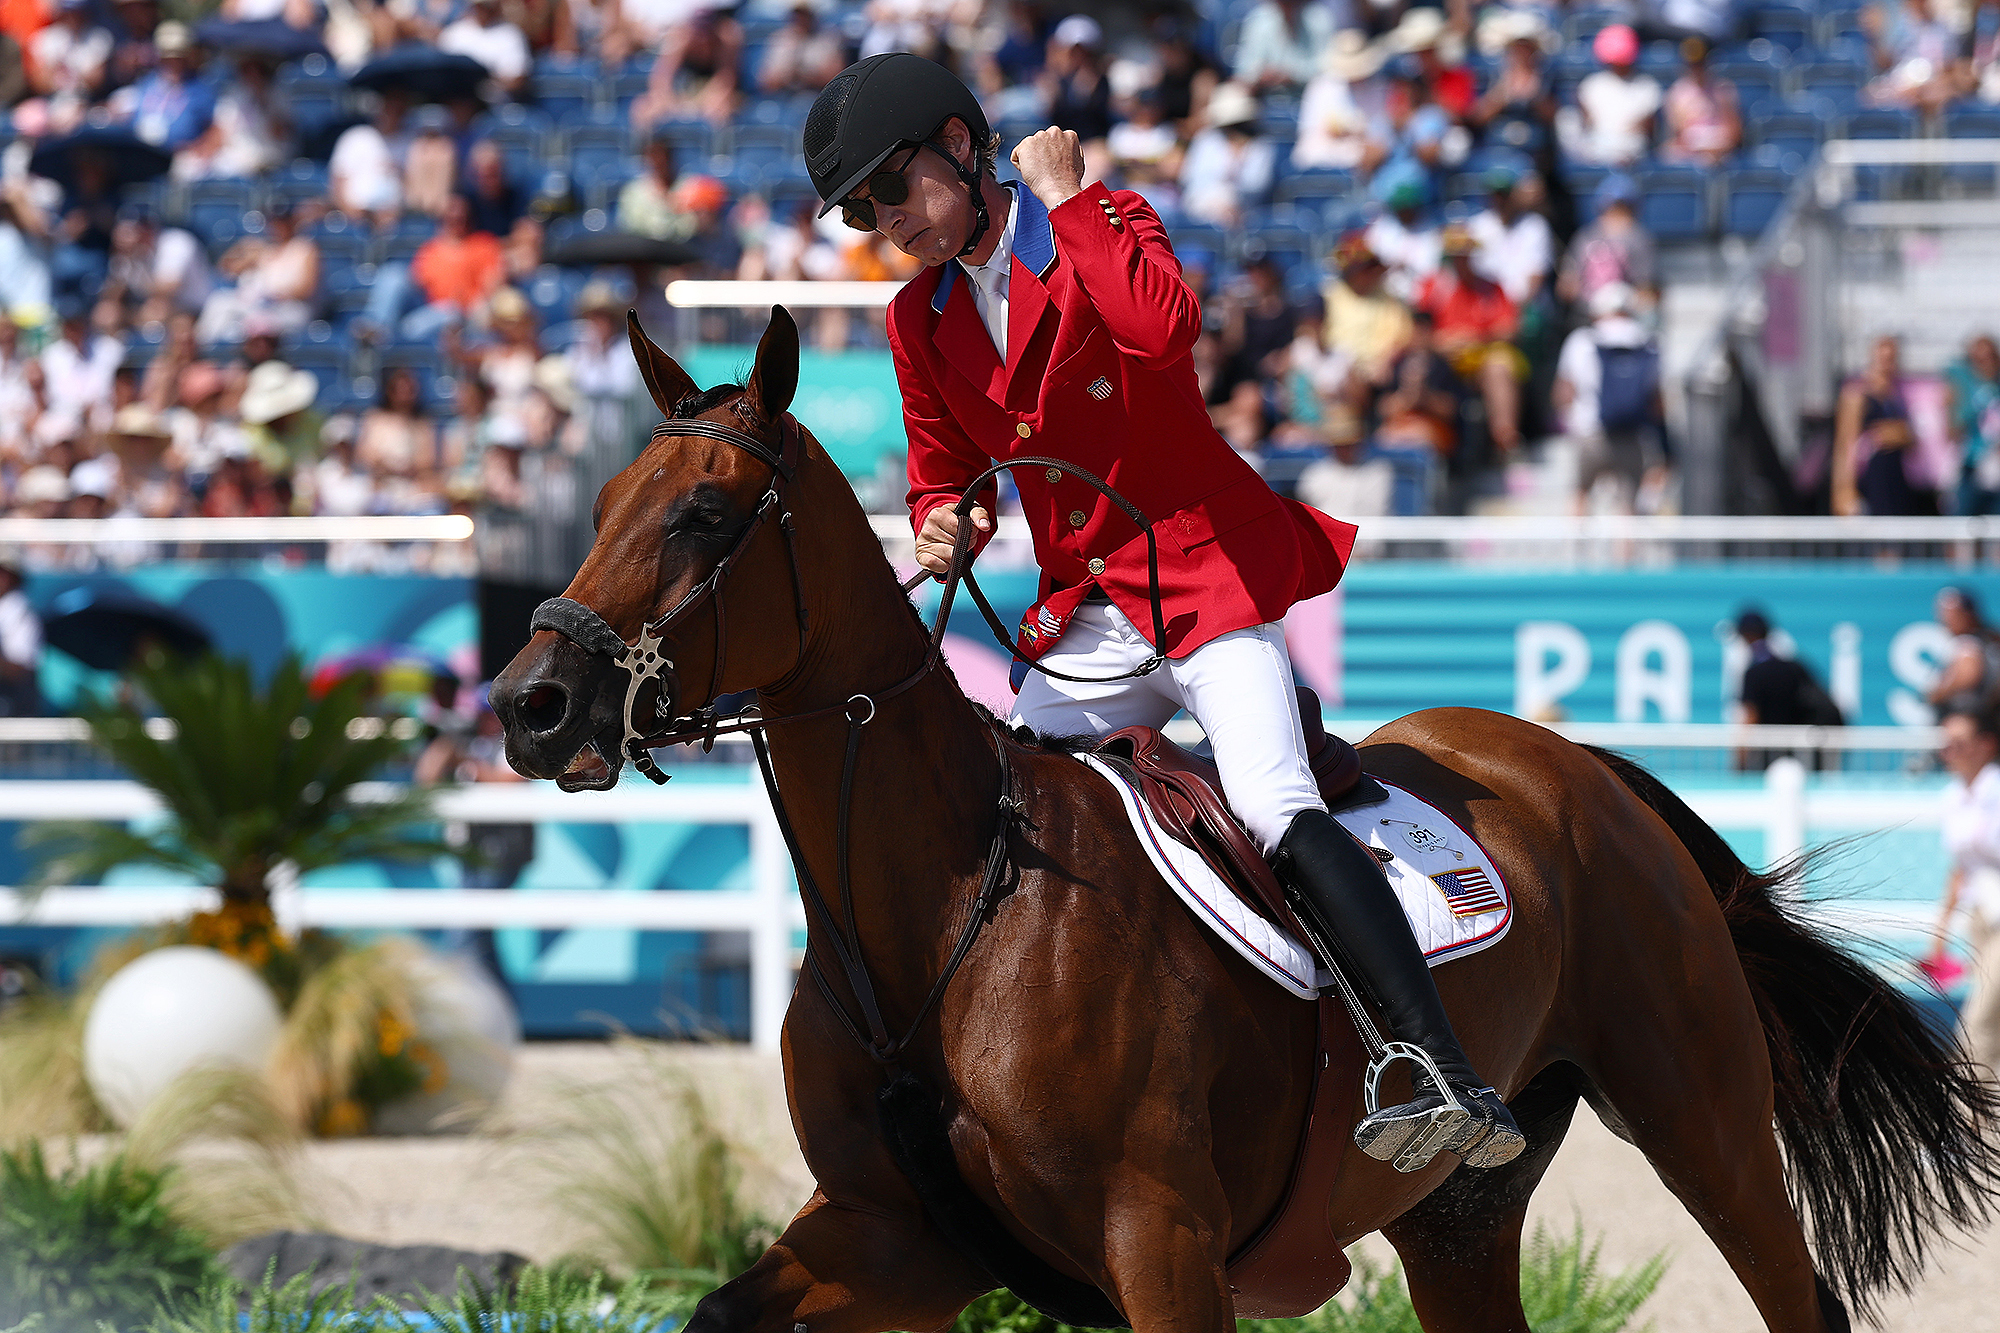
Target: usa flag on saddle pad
[(1469, 891)]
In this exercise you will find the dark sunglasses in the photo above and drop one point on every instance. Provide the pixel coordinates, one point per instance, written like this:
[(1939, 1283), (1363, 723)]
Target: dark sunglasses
[(886, 186)]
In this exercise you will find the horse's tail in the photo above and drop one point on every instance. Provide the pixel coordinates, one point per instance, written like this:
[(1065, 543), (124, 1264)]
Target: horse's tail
[(1889, 1134)]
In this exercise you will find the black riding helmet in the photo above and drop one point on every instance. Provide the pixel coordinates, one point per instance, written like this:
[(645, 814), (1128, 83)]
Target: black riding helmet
[(882, 104)]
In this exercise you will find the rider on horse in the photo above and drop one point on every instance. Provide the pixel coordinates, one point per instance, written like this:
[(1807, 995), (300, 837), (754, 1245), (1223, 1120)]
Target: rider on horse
[(1052, 319)]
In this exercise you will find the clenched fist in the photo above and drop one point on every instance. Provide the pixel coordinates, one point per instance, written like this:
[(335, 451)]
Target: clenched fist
[(1051, 164)]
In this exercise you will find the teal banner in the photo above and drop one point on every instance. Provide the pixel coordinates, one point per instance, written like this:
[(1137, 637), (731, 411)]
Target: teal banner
[(260, 614), (848, 400), (1603, 646)]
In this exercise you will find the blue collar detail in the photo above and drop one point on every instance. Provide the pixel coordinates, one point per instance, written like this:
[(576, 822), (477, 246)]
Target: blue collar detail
[(1034, 244)]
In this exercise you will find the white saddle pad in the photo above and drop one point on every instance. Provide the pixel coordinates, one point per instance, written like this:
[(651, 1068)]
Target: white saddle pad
[(1455, 896)]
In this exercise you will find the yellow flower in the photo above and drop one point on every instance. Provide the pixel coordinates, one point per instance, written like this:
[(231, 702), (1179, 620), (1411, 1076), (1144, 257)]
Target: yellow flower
[(437, 1073), (344, 1119), (390, 1035)]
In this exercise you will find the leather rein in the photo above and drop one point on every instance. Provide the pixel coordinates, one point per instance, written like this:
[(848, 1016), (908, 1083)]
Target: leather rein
[(650, 723)]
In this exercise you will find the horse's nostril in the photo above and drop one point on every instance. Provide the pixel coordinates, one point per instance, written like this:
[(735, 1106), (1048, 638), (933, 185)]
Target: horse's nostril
[(543, 706)]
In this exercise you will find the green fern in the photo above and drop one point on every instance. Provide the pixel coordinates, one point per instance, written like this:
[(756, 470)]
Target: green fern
[(251, 779), (84, 1246), (223, 1305)]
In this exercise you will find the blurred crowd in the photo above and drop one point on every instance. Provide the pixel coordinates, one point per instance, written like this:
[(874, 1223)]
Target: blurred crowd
[(279, 256)]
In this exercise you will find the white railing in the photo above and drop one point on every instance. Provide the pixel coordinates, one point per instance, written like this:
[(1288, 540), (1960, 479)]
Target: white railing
[(769, 911)]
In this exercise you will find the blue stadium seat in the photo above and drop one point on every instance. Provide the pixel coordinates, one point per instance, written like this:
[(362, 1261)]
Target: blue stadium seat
[(214, 204), (1315, 187), (341, 249), (1972, 122), (1663, 61), (693, 140), (1751, 198), (1836, 81), (1758, 85), (563, 96), (565, 64), (1466, 187), (327, 361), (1793, 28), (764, 149), (1294, 249), (1881, 123), (1585, 23), (1756, 51), (1836, 25), (1793, 129), (1673, 203), (553, 291), (1201, 236), (627, 85)]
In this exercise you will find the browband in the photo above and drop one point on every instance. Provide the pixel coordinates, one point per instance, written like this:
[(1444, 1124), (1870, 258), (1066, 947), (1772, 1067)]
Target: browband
[(743, 440)]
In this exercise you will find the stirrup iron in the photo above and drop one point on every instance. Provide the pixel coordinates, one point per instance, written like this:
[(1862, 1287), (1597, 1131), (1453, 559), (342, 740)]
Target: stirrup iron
[(1444, 1126)]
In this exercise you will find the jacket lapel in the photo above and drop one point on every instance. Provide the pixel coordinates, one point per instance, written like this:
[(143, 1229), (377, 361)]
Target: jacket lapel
[(960, 334), (1034, 260)]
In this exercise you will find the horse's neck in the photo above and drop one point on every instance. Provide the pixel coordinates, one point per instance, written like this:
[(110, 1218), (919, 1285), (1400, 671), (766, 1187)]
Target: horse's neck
[(926, 779)]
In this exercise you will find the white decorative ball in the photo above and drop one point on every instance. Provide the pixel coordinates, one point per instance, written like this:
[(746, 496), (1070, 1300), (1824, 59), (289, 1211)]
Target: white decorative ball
[(466, 1019), (170, 1011)]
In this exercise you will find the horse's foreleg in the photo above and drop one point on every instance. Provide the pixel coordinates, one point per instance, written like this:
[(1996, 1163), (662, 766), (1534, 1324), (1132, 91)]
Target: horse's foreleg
[(1165, 1253), (844, 1269), (1461, 1244)]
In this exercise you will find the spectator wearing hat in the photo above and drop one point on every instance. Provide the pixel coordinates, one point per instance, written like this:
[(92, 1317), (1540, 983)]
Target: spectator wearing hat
[(279, 425), (1518, 109), (171, 107), (1612, 248), (646, 205), (600, 359), (1405, 236), (486, 35), (42, 492), (1350, 481), (1475, 324), (1439, 56), (1516, 247), (507, 364), (20, 642), (1365, 326), (1704, 124), (1229, 165), (1074, 83), (802, 56), (1612, 122), (1971, 835), (150, 481), (1333, 126), (1607, 393), (1281, 41)]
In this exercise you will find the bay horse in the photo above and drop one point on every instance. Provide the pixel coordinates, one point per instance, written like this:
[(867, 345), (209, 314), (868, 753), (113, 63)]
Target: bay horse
[(1121, 1093)]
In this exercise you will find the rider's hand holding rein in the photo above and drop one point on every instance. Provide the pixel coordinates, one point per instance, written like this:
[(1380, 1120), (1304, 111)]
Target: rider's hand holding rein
[(940, 533), (1051, 164)]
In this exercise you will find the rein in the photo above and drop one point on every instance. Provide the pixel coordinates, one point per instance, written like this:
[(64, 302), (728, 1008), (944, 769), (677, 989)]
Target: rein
[(648, 726)]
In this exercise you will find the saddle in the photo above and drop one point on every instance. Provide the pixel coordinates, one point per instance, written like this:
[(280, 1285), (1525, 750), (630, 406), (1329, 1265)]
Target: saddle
[(1184, 792)]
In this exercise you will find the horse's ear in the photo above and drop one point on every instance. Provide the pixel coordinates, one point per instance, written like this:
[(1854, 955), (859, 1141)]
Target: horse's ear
[(665, 379), (776, 377)]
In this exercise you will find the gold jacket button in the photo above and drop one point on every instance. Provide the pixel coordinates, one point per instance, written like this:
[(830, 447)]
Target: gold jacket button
[(1054, 475), (1097, 566), (1023, 429), (1077, 518)]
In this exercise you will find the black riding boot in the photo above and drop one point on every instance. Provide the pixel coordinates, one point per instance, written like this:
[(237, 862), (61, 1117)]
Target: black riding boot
[(1341, 895)]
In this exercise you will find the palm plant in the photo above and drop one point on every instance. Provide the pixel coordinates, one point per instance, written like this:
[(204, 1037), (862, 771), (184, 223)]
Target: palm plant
[(251, 779)]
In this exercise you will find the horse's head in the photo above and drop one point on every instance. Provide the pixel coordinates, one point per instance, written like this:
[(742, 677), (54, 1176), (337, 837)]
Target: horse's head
[(697, 518)]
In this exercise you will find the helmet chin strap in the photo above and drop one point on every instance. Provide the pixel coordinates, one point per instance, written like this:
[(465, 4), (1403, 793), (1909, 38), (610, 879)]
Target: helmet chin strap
[(980, 220)]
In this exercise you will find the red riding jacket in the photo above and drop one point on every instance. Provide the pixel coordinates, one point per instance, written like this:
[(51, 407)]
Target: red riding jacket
[(1100, 373)]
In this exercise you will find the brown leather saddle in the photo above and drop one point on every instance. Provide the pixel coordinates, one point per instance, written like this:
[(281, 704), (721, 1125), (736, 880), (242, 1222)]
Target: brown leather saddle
[(1184, 793), (1293, 1264)]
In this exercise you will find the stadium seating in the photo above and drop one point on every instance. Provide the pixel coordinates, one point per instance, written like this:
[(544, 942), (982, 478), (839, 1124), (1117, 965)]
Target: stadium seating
[(1751, 198), (1673, 203)]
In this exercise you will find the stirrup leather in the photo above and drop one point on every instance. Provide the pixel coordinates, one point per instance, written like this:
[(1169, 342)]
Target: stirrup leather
[(1445, 1126)]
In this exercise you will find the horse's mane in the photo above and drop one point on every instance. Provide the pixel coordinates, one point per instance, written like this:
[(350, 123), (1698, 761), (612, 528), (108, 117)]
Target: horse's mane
[(707, 400)]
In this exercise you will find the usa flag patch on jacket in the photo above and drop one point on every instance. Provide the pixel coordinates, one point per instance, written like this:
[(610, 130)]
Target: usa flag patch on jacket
[(1100, 388)]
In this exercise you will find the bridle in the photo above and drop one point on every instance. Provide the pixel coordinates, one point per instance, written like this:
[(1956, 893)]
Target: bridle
[(647, 725)]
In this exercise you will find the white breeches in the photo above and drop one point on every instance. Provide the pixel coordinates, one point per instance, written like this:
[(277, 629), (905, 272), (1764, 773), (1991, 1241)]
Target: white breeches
[(1238, 688)]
